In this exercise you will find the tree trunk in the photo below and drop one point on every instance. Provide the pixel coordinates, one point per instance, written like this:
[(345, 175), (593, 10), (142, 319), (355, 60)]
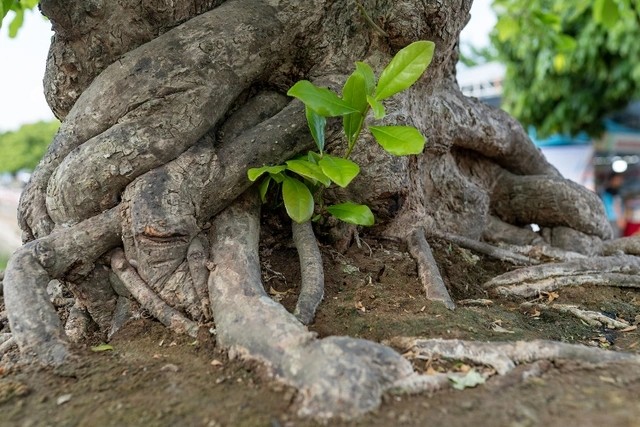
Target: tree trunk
[(165, 105)]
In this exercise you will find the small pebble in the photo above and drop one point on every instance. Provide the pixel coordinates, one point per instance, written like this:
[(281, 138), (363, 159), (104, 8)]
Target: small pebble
[(63, 399)]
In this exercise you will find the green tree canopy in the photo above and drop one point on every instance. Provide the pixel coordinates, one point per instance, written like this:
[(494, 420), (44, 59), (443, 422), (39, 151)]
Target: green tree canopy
[(569, 64), (23, 149)]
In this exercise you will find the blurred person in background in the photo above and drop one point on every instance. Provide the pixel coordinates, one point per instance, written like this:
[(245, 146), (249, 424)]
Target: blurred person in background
[(613, 204)]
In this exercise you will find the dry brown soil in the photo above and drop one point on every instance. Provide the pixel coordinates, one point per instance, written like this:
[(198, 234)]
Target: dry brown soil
[(155, 378)]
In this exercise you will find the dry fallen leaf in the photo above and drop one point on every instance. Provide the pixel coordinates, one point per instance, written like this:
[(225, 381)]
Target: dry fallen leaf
[(607, 379), (551, 296), (273, 291), (360, 307), (216, 362), (629, 328), (431, 371)]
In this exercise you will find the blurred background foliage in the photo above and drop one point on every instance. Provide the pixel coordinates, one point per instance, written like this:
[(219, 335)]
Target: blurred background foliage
[(23, 148), (19, 7), (568, 63)]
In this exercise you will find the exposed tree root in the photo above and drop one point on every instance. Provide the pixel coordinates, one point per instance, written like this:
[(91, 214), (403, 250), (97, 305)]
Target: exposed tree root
[(336, 376), (545, 253), (487, 249), (312, 272), (428, 271), (593, 318), (628, 245), (621, 271), (504, 356), (159, 309), (32, 318)]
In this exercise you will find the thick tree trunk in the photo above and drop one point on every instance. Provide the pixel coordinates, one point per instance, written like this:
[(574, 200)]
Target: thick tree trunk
[(165, 105)]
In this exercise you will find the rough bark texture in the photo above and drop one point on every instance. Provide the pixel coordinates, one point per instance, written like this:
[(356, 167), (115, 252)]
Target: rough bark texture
[(165, 107)]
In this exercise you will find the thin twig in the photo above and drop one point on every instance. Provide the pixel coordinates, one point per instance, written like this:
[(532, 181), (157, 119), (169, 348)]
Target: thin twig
[(486, 249), (367, 18)]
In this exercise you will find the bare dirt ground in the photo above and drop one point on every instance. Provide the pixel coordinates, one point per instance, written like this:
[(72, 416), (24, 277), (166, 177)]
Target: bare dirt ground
[(155, 378)]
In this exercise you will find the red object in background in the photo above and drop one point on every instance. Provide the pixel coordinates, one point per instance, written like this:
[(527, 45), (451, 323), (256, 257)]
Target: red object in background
[(632, 215)]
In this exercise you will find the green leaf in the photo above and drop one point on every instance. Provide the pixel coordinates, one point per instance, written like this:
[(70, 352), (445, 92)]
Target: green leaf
[(5, 7), (319, 99), (16, 23), (341, 171), (278, 177), (352, 213), (378, 109), (606, 12), (565, 43), (298, 200), (471, 379), (317, 124), (507, 28), (307, 169), (263, 188), (255, 173), (354, 93), (313, 157), (399, 140), (366, 72), (405, 69), (102, 347)]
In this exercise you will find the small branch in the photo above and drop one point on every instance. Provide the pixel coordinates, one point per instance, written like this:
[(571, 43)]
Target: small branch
[(159, 309), (592, 318), (545, 253), (312, 283), (533, 289), (621, 271), (428, 271), (369, 21), (504, 356), (487, 249)]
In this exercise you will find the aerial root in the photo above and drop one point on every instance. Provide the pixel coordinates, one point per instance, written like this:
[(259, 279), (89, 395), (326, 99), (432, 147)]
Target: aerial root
[(501, 254), (312, 272), (33, 319), (592, 318), (428, 271), (336, 376), (504, 356), (149, 300), (620, 271)]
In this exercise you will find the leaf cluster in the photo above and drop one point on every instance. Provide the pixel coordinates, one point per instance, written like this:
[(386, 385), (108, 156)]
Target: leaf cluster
[(568, 64), (19, 7), (303, 179)]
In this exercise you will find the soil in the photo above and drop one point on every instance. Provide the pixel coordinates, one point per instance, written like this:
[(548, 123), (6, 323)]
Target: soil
[(152, 377)]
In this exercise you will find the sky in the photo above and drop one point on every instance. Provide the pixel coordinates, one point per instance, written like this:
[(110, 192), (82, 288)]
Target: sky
[(23, 62)]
